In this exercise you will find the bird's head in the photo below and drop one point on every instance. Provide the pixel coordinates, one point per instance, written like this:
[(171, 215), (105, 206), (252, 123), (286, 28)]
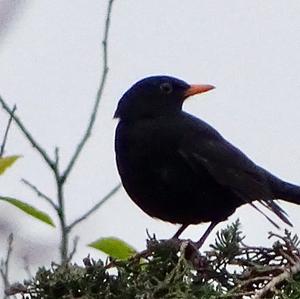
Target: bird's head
[(155, 96)]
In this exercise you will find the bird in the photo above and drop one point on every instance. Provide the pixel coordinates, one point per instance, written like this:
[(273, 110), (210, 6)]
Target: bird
[(179, 169)]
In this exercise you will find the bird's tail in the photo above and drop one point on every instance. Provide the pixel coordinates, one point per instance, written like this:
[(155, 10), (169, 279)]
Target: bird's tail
[(285, 191), (280, 190)]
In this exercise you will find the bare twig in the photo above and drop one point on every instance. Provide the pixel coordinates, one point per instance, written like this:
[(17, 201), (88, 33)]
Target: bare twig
[(40, 193), (75, 243), (56, 155), (2, 148), (28, 135), (98, 95), (4, 268), (245, 283), (95, 207), (238, 295)]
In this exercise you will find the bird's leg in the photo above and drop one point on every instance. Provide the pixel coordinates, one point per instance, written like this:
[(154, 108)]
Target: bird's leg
[(180, 231), (205, 235)]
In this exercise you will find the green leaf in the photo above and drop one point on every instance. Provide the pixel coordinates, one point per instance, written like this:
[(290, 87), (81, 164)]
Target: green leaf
[(7, 162), (32, 211), (114, 247)]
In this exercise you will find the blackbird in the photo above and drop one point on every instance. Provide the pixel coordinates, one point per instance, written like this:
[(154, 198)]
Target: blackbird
[(178, 168)]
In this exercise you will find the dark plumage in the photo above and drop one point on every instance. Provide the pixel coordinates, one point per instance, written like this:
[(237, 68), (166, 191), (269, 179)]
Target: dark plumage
[(178, 168)]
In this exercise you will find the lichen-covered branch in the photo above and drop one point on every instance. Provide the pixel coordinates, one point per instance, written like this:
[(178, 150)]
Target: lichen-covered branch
[(175, 269)]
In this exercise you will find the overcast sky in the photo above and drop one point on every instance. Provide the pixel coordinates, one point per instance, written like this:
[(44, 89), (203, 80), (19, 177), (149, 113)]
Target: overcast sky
[(50, 64)]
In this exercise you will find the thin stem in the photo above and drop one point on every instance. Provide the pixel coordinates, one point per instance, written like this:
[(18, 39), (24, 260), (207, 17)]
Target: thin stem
[(94, 208), (75, 243), (4, 270), (56, 155), (62, 220), (40, 193), (7, 130), (28, 135), (104, 73), (61, 179)]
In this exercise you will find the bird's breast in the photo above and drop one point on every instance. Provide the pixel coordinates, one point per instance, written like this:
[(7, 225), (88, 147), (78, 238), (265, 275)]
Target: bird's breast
[(156, 177), (147, 163), (142, 152)]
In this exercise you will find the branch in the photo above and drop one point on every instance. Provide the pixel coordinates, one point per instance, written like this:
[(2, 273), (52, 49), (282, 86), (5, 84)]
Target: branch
[(28, 135), (40, 193), (285, 275), (94, 208), (88, 131), (6, 131), (239, 295)]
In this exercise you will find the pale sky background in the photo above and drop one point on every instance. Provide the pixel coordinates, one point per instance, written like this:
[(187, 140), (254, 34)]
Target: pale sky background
[(50, 63)]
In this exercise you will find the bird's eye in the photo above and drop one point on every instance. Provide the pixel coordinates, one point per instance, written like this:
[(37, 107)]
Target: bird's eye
[(166, 88)]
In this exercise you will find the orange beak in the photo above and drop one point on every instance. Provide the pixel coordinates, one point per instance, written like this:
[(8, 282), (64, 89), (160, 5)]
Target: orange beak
[(197, 88)]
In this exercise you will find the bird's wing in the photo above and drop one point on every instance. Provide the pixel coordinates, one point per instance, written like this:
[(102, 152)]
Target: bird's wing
[(204, 147)]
